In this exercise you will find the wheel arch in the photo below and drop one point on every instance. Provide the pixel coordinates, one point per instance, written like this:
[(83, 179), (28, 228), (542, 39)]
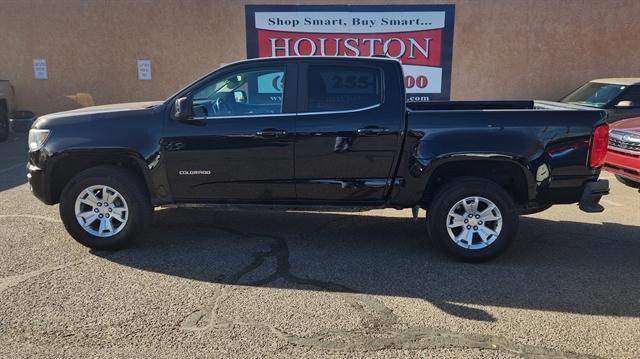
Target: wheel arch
[(508, 173), (66, 165)]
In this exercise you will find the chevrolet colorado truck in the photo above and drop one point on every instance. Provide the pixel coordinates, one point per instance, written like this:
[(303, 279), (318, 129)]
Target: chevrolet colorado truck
[(320, 132)]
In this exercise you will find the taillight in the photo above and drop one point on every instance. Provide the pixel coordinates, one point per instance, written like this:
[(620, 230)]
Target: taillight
[(599, 146)]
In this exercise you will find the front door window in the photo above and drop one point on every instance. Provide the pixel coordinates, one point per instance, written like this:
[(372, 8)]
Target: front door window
[(252, 92)]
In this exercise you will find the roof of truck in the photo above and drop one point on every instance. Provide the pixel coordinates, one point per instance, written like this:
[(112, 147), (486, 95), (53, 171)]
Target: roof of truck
[(336, 58), (627, 81)]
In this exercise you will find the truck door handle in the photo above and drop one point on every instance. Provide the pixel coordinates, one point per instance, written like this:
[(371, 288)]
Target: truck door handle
[(372, 131), (271, 132)]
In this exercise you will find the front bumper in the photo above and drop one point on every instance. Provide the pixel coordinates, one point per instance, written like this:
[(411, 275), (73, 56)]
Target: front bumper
[(623, 164), (591, 195)]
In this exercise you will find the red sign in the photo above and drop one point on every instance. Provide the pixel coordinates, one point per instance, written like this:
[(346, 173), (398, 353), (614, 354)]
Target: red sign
[(419, 36), (417, 47)]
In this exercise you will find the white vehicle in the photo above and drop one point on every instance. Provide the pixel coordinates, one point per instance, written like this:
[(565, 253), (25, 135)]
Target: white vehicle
[(7, 105)]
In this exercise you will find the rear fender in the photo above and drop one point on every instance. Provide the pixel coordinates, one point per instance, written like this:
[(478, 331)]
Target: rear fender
[(424, 176)]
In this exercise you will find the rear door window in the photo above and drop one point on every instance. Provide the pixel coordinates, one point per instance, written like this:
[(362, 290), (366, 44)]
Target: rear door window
[(339, 88)]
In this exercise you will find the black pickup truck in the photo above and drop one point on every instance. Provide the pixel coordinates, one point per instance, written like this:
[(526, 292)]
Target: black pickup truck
[(318, 132)]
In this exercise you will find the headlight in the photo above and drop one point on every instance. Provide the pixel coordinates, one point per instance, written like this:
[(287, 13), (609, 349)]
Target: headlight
[(37, 138)]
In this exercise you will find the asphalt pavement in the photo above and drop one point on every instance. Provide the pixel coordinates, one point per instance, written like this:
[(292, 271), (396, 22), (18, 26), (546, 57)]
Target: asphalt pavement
[(212, 283)]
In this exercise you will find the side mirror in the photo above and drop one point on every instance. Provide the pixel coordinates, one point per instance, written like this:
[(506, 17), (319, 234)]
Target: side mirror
[(182, 109), (624, 104), (240, 96)]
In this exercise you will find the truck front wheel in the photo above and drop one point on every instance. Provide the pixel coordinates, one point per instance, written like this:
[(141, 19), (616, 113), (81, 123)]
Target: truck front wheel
[(105, 207), (472, 218)]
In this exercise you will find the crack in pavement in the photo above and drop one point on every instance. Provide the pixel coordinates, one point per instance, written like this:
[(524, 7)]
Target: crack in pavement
[(14, 280), (279, 251), (31, 216), (380, 326)]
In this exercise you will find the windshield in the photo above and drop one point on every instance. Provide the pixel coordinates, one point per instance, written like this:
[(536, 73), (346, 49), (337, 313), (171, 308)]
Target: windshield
[(594, 94)]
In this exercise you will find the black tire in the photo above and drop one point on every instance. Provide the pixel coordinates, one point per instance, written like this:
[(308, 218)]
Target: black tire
[(4, 122), (628, 182), (131, 188), (445, 200)]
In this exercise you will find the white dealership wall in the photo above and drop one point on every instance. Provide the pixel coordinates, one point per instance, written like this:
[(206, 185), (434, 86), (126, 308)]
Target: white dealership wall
[(502, 48)]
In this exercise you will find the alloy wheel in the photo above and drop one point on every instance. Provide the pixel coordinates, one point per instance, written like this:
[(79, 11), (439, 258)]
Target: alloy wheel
[(474, 223), (101, 211)]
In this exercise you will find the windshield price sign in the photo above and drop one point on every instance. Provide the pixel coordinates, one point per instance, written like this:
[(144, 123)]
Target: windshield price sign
[(420, 36)]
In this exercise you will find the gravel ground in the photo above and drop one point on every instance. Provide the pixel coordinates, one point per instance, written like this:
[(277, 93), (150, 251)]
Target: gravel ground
[(206, 283)]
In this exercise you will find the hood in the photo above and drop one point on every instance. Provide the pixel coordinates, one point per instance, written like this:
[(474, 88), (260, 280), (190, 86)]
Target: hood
[(630, 124), (93, 112), (130, 106)]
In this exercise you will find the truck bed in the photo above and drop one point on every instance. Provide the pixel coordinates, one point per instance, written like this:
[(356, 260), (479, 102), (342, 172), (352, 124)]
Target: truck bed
[(526, 133)]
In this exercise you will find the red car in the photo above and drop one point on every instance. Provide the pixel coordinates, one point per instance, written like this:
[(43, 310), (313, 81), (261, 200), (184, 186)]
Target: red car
[(623, 157)]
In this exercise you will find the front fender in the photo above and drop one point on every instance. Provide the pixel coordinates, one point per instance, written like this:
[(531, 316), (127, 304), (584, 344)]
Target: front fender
[(52, 171)]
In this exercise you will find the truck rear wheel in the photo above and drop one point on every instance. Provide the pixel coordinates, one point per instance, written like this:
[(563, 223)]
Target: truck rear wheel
[(473, 219), (105, 207)]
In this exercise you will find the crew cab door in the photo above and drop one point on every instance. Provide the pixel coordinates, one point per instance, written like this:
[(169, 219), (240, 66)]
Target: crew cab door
[(238, 143), (347, 132)]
